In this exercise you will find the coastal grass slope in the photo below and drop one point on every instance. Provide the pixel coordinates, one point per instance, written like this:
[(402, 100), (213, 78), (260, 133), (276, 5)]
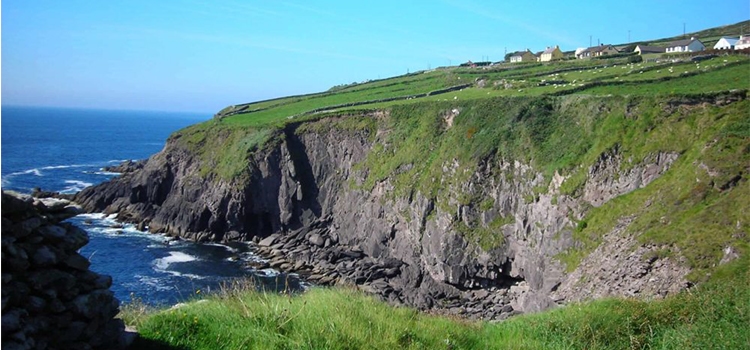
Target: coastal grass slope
[(715, 315)]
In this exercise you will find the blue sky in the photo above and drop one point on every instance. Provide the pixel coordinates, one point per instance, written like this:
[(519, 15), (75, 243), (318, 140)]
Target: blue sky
[(204, 55)]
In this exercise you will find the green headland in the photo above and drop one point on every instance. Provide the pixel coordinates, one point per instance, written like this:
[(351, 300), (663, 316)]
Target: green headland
[(559, 117)]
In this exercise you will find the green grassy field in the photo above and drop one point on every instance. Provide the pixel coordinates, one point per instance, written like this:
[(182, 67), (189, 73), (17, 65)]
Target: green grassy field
[(507, 80), (715, 315)]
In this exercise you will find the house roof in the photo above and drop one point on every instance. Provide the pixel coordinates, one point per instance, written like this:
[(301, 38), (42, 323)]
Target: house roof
[(598, 48), (656, 49), (550, 49), (520, 53), (731, 41), (684, 42), (601, 48)]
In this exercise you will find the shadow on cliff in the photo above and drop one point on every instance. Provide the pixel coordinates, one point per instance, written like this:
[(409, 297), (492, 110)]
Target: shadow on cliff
[(306, 177), (150, 344)]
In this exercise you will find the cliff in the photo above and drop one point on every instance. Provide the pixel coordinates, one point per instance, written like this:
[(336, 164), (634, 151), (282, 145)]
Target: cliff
[(481, 208)]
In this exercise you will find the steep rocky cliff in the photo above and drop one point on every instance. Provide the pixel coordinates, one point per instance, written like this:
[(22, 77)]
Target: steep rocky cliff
[(462, 227)]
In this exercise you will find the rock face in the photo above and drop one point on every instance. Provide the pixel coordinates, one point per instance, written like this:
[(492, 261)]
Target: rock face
[(303, 195), (50, 299)]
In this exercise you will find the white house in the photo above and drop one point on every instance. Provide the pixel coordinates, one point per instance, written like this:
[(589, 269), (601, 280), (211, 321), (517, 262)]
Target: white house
[(725, 43), (687, 45), (550, 54), (522, 56), (742, 43)]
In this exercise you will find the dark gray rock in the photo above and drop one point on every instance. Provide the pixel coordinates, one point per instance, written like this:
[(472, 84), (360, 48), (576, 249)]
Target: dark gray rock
[(78, 262), (54, 204), (12, 320), (53, 232), (317, 240), (44, 256), (24, 228), (97, 304), (49, 297)]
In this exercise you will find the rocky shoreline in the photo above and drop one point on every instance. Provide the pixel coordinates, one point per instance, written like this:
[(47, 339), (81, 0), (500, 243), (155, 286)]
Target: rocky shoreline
[(316, 254)]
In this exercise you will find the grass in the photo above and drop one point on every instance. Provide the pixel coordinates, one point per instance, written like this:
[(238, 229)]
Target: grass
[(714, 315), (733, 77)]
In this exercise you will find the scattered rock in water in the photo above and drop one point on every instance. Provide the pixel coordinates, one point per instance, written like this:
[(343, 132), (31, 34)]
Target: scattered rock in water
[(125, 167), (258, 265)]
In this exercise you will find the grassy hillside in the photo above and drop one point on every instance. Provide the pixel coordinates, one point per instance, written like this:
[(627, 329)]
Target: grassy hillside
[(575, 77), (716, 315)]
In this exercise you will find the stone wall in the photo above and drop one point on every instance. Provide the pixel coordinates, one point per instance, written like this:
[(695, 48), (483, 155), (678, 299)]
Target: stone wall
[(50, 298)]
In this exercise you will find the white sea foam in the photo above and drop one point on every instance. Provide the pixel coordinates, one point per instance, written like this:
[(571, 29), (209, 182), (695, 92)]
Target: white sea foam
[(252, 257), (162, 264), (155, 282), (106, 173), (54, 167), (268, 272), (75, 186), (6, 178), (93, 216), (68, 166), (228, 248), (186, 275)]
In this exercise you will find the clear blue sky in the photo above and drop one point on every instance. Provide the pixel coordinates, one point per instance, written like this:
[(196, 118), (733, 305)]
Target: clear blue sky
[(204, 55)]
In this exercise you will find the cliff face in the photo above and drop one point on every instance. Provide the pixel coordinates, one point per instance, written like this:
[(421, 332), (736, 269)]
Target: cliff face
[(486, 244)]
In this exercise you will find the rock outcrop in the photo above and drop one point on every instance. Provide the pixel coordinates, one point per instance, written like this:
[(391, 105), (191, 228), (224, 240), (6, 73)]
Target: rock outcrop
[(303, 198), (50, 298)]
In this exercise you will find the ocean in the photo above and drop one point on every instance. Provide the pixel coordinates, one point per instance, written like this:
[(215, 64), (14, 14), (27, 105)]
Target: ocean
[(60, 149)]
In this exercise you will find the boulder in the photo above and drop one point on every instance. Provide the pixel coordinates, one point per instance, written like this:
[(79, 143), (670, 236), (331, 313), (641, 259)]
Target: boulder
[(317, 240)]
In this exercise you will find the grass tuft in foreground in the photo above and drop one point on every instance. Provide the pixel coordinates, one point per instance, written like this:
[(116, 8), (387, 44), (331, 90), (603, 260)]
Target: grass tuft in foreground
[(714, 315)]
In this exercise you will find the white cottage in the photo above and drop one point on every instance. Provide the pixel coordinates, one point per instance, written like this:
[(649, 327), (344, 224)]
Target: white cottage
[(742, 43), (726, 43), (687, 45)]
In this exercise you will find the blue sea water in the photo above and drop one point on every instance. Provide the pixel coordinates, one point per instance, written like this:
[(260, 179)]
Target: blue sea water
[(65, 150)]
